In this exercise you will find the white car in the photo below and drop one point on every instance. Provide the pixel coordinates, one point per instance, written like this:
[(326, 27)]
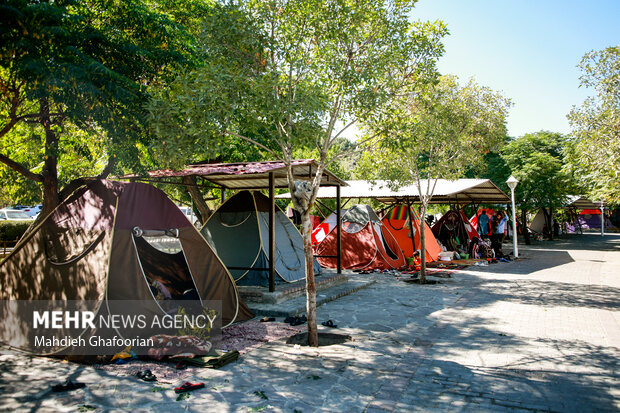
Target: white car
[(8, 214), (187, 211), (33, 211)]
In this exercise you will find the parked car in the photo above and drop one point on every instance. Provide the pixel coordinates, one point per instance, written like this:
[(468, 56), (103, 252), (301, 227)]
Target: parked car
[(9, 214), (33, 211), (187, 211)]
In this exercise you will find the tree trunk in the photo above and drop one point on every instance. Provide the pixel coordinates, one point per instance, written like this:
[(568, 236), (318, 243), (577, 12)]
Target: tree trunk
[(313, 339), (526, 233), (550, 224), (50, 166), (422, 243), (203, 210)]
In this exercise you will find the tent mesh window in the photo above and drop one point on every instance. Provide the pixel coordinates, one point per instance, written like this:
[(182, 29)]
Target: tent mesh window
[(354, 220), (164, 265)]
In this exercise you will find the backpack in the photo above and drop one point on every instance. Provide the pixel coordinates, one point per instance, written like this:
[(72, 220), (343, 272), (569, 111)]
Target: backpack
[(485, 251)]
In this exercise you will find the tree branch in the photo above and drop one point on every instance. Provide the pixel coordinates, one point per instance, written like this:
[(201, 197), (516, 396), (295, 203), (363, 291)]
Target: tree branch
[(20, 168), (252, 141)]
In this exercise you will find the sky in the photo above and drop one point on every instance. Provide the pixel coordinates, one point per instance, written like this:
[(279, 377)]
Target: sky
[(527, 49)]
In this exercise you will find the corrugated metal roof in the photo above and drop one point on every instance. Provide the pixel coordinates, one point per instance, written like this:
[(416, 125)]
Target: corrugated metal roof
[(581, 202), (446, 191), (249, 175)]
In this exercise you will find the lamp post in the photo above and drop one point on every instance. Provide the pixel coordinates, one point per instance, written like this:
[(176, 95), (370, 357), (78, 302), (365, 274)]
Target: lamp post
[(512, 184)]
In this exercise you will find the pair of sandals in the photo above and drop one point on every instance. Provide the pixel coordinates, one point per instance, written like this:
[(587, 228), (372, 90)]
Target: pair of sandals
[(329, 323), (296, 321), (187, 386), (146, 375), (67, 386)]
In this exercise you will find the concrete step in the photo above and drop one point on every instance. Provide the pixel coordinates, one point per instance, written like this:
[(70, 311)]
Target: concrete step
[(297, 305), (288, 291)]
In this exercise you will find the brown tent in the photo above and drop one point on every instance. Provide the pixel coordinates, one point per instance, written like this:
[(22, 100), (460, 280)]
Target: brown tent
[(100, 246)]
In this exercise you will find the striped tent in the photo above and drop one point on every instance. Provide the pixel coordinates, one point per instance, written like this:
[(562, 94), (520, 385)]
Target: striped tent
[(398, 223)]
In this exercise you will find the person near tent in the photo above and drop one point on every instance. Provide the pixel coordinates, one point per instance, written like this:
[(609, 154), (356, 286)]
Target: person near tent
[(478, 248), (499, 226), (556, 228), (430, 219), (483, 224), (160, 292), (417, 261)]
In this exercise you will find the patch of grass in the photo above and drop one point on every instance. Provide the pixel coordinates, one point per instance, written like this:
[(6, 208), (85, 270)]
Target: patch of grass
[(258, 409), (183, 396), (157, 388), (86, 408)]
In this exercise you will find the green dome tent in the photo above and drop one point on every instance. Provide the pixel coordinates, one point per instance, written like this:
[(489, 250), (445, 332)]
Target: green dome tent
[(239, 232)]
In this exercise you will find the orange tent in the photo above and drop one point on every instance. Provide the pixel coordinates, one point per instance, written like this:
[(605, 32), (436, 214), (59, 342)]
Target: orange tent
[(397, 221)]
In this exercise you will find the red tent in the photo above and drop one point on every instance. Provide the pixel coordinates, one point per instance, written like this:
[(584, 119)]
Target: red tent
[(366, 244)]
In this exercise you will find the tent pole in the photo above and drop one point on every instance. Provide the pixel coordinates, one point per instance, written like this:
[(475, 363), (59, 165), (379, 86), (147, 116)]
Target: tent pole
[(272, 235), (411, 225), (578, 221), (338, 232)]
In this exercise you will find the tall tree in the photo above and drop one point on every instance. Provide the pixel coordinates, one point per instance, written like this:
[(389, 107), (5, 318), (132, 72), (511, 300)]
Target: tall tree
[(284, 74), (80, 64), (536, 160), (436, 131), (594, 156)]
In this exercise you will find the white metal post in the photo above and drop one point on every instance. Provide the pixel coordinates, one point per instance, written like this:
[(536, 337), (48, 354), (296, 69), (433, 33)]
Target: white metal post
[(515, 249), (512, 184)]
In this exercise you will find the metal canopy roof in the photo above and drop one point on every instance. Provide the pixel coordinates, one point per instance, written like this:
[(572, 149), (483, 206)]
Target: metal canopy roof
[(249, 175), (580, 202), (480, 191)]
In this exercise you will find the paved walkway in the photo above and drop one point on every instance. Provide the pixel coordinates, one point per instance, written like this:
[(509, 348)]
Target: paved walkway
[(539, 334)]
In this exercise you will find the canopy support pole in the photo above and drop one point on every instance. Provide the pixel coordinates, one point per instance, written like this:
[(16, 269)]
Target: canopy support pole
[(602, 219), (411, 225), (272, 235), (338, 233)]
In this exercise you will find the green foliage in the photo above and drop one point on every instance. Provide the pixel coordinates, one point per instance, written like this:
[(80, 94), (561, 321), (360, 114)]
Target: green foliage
[(594, 155), (13, 230), (536, 160), (436, 131), (279, 74), (80, 153), (74, 77)]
